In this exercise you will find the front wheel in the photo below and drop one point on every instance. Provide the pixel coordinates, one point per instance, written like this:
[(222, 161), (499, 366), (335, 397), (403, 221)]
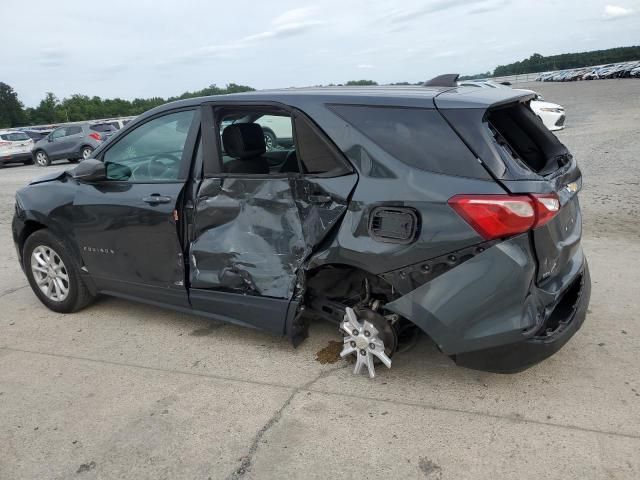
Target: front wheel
[(53, 273), (42, 159)]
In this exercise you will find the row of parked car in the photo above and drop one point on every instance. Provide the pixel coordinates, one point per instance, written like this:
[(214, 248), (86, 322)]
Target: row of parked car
[(613, 70), (42, 145)]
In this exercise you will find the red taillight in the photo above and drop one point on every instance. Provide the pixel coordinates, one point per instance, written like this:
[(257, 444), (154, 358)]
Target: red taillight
[(546, 205), (95, 136), (497, 216)]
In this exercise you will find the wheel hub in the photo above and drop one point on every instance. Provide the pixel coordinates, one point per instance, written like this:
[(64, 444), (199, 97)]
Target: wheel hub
[(364, 340), (50, 273)]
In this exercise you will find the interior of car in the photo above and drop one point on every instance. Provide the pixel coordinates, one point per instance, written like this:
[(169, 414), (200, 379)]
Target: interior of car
[(258, 142)]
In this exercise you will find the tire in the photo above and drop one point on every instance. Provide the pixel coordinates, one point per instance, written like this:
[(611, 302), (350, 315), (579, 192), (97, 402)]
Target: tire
[(270, 140), (43, 255), (28, 162), (85, 152), (42, 159)]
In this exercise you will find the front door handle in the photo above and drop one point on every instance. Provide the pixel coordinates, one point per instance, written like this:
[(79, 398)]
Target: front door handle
[(156, 199), (319, 198)]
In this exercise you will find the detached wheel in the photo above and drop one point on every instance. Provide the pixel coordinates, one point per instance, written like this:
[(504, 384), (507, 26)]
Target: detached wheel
[(42, 159), (86, 152), (270, 140), (53, 273)]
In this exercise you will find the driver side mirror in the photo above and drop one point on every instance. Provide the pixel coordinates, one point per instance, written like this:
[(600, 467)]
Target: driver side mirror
[(49, 139), (90, 170)]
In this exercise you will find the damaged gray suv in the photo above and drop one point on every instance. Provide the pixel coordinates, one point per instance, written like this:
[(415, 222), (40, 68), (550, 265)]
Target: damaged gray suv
[(393, 211)]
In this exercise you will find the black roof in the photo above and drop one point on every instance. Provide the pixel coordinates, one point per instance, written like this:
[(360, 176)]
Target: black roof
[(393, 95)]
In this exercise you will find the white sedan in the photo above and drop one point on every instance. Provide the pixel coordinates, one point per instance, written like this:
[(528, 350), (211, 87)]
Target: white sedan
[(551, 114)]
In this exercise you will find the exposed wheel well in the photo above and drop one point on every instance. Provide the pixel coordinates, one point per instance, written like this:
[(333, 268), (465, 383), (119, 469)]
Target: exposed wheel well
[(345, 283), (330, 288)]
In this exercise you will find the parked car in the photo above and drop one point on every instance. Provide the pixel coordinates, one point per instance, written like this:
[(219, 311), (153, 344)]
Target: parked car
[(35, 135), (550, 114), (15, 147), (106, 130), (72, 142), (396, 210)]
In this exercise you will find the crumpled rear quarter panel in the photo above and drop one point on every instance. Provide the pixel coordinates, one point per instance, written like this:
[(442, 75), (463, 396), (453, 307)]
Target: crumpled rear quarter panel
[(488, 300)]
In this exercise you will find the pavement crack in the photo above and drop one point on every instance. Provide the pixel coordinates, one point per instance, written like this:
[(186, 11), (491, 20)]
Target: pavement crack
[(247, 460), (12, 290)]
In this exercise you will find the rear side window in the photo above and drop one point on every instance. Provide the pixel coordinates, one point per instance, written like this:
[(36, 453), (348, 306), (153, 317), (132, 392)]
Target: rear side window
[(315, 154), (103, 127), (73, 130), (417, 137), (14, 137)]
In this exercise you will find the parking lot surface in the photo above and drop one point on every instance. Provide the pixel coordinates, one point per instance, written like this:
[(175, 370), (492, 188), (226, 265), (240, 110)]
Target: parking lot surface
[(123, 390)]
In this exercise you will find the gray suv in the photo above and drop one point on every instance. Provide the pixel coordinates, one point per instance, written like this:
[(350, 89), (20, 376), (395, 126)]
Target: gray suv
[(73, 142)]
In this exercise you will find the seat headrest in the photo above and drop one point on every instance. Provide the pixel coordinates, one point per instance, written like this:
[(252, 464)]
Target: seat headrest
[(243, 140)]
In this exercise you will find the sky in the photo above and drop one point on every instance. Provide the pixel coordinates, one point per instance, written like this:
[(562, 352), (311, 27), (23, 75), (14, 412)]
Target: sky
[(145, 48)]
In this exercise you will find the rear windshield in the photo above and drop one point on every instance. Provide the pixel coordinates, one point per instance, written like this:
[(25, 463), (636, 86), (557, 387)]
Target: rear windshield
[(523, 137), (14, 137), (418, 137), (103, 127)]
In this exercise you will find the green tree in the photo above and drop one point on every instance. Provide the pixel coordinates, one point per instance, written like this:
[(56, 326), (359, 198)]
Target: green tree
[(11, 109), (49, 110), (351, 83)]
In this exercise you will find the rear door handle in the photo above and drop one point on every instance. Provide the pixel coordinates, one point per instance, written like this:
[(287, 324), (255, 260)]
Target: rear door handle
[(156, 199), (319, 198)]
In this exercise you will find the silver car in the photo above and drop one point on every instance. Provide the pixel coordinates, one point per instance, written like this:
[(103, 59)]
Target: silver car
[(15, 147), (72, 142)]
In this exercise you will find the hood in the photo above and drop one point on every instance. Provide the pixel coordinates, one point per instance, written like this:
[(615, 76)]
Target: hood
[(537, 104), (49, 177)]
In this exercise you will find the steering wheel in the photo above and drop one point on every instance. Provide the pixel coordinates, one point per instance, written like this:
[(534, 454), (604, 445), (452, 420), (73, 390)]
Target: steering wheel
[(162, 164)]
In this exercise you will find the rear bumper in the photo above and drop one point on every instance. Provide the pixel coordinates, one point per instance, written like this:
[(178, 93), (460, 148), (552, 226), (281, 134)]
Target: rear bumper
[(564, 321), (15, 158), (490, 314)]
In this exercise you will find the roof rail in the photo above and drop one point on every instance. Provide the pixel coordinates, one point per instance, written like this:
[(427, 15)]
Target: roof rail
[(446, 80)]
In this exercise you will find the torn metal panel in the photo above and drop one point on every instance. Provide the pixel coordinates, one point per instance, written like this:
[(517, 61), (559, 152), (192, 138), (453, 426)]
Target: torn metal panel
[(321, 204), (248, 237), (253, 234)]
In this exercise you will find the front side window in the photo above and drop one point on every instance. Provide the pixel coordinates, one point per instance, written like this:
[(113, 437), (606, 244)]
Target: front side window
[(59, 133), (152, 152)]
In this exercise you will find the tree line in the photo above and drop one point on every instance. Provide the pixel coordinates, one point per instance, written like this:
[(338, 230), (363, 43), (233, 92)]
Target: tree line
[(537, 63), (82, 107)]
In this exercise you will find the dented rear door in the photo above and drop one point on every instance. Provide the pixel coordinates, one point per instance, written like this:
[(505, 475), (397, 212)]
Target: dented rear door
[(251, 234)]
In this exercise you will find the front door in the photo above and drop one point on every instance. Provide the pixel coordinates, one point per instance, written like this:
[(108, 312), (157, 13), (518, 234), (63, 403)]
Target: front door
[(259, 215), (127, 227), (59, 143)]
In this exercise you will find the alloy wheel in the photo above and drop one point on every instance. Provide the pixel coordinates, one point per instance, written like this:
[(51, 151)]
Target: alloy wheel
[(50, 273), (41, 159)]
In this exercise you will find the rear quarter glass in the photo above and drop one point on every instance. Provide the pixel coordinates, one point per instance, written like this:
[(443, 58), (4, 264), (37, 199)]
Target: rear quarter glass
[(418, 137)]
